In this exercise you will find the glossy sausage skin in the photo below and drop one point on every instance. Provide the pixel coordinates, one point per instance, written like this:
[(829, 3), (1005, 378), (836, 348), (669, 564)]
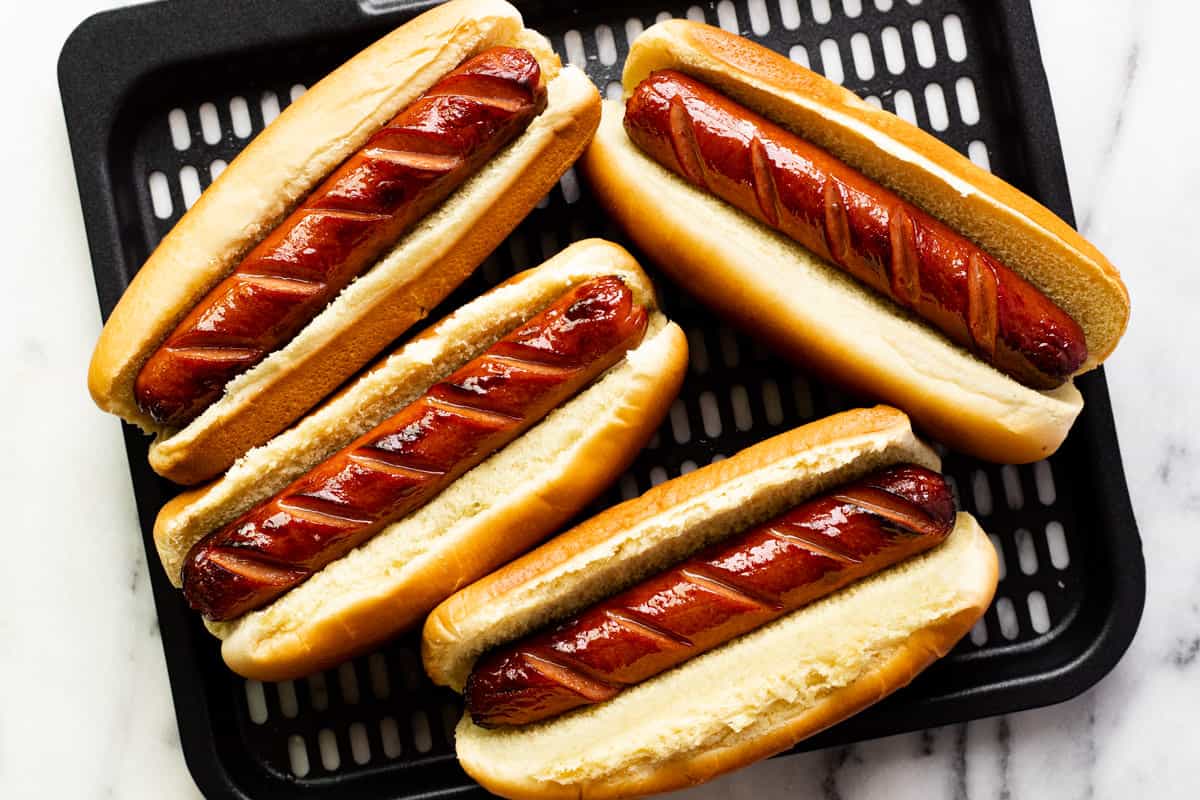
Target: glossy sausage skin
[(402, 463), (844, 217), (733, 587), (345, 225)]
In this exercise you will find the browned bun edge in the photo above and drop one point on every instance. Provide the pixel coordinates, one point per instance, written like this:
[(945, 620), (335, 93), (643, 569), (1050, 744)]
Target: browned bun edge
[(1025, 235), (486, 517), (639, 537), (309, 139), (731, 722)]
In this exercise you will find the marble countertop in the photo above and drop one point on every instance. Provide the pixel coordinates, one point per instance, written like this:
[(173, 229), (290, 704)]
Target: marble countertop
[(85, 709)]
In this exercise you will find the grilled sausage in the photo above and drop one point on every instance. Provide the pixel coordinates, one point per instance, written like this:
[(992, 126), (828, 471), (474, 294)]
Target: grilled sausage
[(402, 463), (732, 587), (845, 218), (345, 225)]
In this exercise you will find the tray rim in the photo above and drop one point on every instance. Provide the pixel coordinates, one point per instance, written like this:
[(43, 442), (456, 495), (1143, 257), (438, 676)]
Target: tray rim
[(91, 110)]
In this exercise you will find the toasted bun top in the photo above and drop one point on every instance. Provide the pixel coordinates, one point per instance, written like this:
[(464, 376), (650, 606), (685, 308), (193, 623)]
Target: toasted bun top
[(1004, 221), (284, 163), (394, 383), (628, 542)]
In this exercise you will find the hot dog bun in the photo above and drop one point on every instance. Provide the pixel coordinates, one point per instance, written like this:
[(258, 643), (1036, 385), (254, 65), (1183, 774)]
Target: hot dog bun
[(275, 171), (809, 309), (751, 697), (486, 517)]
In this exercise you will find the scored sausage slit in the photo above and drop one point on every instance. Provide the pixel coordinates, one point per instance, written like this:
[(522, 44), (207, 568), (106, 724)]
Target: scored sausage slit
[(284, 284), (426, 162), (906, 275), (683, 139), (719, 584), (486, 90), (498, 103), (837, 225), (542, 368), (596, 691), (631, 621), (981, 304), (216, 353), (508, 104), (485, 416), (764, 181), (888, 506), (324, 511), (397, 464), (255, 568), (793, 534), (346, 214)]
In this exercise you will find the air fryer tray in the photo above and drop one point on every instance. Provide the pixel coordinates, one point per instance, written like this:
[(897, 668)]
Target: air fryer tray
[(159, 97)]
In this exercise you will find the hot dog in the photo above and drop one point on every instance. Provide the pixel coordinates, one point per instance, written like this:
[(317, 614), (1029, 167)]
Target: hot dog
[(733, 587), (359, 209), (402, 463), (715, 620), (453, 455), (855, 243), (847, 219), (427, 151)]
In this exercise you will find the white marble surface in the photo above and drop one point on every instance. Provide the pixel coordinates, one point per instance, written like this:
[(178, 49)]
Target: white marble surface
[(84, 704)]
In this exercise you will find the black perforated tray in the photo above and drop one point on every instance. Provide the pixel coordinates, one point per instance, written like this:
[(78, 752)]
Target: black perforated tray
[(156, 95)]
